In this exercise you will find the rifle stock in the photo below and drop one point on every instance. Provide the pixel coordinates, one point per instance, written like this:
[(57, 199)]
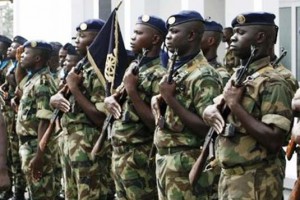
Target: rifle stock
[(295, 194), (58, 113), (201, 161), (290, 149)]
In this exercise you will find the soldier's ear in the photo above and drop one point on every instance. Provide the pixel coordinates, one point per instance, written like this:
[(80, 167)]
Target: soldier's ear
[(156, 39), (260, 37), (37, 58)]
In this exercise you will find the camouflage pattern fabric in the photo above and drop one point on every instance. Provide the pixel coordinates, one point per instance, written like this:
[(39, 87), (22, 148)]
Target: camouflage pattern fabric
[(84, 180), (197, 83), (132, 141), (268, 98), (34, 106), (230, 62), (263, 182), (288, 76), (222, 71)]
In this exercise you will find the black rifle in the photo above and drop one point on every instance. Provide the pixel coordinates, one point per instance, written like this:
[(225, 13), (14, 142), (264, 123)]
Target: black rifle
[(110, 118), (58, 113), (200, 163), (163, 105)]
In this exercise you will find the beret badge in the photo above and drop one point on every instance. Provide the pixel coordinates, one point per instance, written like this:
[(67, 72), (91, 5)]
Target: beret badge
[(240, 19), (145, 18), (171, 20), (83, 26), (33, 44)]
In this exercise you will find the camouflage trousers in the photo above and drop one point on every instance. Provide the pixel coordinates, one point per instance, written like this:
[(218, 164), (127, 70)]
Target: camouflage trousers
[(134, 176), (86, 177), (13, 157), (44, 188), (172, 173), (260, 183)]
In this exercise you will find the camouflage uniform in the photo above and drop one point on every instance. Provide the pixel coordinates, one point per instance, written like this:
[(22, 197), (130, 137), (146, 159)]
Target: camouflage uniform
[(87, 178), (222, 71), (34, 105), (132, 141), (197, 83), (19, 182), (293, 84), (249, 171), (230, 61)]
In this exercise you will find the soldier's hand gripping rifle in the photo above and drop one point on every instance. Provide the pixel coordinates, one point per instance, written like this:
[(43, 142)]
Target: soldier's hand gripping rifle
[(201, 162), (58, 113), (121, 97), (159, 107)]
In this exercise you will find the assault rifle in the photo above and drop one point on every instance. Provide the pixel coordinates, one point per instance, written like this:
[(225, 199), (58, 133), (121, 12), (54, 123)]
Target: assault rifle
[(58, 113), (163, 105), (200, 163), (109, 119)]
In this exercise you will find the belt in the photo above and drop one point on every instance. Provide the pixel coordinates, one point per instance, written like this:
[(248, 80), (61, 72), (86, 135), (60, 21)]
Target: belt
[(172, 150), (240, 170), (125, 148), (76, 127), (24, 139)]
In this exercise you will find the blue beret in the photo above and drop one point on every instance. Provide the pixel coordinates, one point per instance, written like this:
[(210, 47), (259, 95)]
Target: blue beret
[(153, 21), (38, 45), (253, 18), (183, 17), (71, 50), (5, 39), (213, 26), (19, 39), (91, 25)]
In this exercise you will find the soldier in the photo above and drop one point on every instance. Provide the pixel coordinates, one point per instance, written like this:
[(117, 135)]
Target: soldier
[(209, 45), (33, 118), (181, 133), (259, 120), (4, 177), (229, 61), (132, 131), (8, 88), (84, 114), (5, 43), (63, 53)]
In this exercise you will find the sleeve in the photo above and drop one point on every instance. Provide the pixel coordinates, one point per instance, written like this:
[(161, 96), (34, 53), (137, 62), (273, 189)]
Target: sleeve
[(97, 93), (205, 90), (276, 106), (44, 90)]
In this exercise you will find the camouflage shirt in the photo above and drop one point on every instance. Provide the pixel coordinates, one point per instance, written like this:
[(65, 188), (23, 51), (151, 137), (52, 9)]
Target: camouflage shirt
[(197, 83), (268, 99), (222, 71), (34, 104), (93, 90), (129, 128), (288, 76), (230, 61)]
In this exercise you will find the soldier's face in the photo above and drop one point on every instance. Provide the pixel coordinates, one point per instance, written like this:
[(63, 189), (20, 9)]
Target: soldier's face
[(241, 41), (28, 58), (141, 38), (70, 61), (12, 50), (83, 40), (62, 56), (178, 37)]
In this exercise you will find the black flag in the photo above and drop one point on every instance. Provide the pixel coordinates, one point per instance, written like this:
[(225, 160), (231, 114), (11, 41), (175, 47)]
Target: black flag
[(108, 55)]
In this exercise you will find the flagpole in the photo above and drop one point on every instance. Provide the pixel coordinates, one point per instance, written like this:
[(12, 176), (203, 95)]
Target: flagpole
[(119, 5)]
